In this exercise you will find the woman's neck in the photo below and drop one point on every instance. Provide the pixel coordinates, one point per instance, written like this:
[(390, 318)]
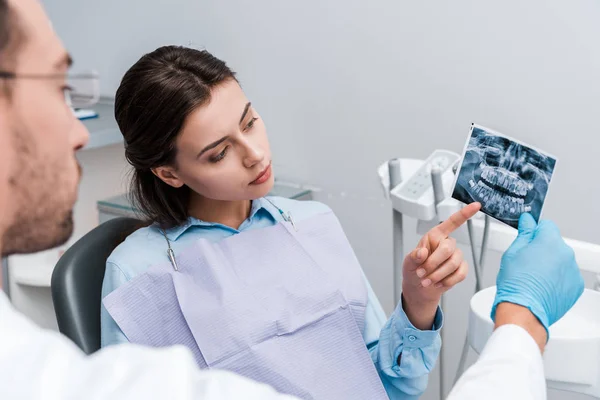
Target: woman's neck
[(228, 213)]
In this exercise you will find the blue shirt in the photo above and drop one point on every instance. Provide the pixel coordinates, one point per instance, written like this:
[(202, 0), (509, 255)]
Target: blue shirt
[(385, 339)]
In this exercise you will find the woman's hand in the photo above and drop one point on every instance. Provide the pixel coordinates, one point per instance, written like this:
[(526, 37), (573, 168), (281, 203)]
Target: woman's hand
[(432, 268)]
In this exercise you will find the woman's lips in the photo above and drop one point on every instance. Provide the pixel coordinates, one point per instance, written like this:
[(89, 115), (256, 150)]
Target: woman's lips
[(263, 176)]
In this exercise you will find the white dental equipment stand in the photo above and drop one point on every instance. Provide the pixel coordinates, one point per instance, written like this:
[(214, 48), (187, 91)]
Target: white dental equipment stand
[(571, 359)]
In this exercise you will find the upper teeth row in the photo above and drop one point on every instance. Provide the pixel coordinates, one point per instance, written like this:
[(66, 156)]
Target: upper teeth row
[(512, 184), (507, 204)]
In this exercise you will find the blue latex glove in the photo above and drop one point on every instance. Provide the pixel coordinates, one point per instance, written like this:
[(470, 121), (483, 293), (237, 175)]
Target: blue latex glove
[(539, 271)]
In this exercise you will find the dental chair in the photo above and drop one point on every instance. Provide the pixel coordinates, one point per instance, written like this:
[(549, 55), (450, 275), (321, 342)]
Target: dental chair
[(77, 281)]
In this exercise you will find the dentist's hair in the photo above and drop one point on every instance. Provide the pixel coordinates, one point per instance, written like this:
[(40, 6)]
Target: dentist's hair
[(4, 26), (9, 35), (152, 103)]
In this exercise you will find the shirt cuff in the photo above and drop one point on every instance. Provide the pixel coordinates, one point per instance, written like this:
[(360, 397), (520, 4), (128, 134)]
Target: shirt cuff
[(419, 349), (412, 337)]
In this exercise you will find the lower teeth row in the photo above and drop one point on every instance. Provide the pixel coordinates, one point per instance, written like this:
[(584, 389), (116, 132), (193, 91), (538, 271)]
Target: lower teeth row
[(504, 204)]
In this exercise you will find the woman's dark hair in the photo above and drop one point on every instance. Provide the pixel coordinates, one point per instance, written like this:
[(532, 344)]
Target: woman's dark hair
[(152, 103)]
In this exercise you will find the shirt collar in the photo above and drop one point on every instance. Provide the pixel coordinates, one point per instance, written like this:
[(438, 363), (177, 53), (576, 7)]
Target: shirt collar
[(258, 205)]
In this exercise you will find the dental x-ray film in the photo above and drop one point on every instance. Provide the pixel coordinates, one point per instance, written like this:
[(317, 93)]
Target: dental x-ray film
[(506, 176)]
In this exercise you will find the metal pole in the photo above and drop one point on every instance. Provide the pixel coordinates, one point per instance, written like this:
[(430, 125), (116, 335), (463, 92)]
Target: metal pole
[(438, 196), (438, 185), (397, 240)]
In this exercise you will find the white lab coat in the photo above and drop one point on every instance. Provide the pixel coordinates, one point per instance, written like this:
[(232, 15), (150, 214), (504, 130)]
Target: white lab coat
[(510, 367), (40, 364)]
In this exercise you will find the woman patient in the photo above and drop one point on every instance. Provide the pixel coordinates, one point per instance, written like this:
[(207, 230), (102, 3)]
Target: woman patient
[(263, 286)]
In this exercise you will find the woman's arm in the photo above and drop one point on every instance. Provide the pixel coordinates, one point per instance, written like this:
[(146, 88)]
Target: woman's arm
[(409, 342), (110, 333), (403, 355)]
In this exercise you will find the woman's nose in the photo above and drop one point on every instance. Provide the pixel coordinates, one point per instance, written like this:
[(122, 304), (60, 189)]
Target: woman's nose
[(254, 154)]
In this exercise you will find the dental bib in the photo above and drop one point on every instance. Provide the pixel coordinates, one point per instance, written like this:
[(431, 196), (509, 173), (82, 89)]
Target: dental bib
[(283, 305)]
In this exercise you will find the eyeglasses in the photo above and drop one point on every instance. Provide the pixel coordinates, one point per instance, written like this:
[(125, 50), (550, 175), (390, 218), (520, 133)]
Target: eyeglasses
[(81, 90)]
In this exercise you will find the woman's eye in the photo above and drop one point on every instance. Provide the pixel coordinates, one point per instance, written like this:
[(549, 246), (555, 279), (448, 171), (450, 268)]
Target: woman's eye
[(219, 156), (251, 123)]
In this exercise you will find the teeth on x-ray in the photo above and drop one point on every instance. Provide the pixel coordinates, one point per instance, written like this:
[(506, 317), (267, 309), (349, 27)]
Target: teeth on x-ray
[(508, 178), (504, 203)]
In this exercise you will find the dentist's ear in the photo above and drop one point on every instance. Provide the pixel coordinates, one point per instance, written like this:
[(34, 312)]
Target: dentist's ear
[(168, 175)]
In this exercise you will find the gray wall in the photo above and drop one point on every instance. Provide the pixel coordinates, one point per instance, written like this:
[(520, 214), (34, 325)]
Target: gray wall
[(351, 83), (345, 85)]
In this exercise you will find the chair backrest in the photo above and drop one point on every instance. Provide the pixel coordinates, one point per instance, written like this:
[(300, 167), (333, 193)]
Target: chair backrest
[(77, 281)]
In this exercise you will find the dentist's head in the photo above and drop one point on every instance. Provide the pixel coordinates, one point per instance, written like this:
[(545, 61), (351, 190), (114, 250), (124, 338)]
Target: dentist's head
[(39, 134)]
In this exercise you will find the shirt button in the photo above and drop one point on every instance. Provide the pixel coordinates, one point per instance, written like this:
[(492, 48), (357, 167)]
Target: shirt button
[(412, 338)]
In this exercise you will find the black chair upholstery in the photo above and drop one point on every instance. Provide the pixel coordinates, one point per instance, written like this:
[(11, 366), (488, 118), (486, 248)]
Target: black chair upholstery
[(77, 281)]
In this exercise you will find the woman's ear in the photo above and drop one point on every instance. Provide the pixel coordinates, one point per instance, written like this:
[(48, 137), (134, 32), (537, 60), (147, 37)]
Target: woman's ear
[(168, 175)]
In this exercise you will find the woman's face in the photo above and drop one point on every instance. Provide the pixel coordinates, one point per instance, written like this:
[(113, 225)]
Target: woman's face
[(223, 151)]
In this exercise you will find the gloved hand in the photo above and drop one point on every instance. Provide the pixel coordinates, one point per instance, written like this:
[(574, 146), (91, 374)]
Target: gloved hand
[(539, 272)]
